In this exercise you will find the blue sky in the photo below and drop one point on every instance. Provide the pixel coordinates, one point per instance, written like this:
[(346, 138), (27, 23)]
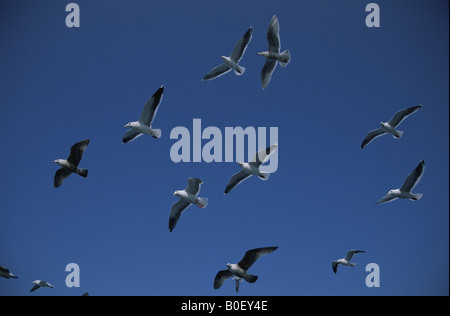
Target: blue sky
[(60, 86)]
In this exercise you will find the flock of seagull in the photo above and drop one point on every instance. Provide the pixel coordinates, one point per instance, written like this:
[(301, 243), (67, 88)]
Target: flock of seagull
[(238, 272)]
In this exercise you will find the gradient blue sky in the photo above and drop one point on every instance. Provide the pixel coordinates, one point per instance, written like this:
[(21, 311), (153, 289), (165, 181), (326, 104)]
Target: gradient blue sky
[(60, 86)]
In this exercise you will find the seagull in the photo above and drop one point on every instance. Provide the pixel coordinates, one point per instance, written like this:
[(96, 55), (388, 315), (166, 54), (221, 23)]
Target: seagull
[(405, 191), (234, 59), (251, 168), (6, 274), (239, 271), (346, 260), (38, 284), (273, 55), (143, 126), (70, 165), (187, 197), (391, 126)]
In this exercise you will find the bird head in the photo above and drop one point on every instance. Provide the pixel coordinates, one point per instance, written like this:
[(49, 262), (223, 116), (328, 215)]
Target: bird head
[(127, 125)]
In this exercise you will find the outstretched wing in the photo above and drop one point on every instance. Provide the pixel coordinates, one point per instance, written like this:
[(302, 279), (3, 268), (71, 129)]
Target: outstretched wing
[(371, 136), (267, 71), (151, 107), (60, 176), (262, 155), (252, 255), (351, 253), (241, 46), (130, 135), (193, 186), (175, 213), (76, 152), (402, 114), (221, 277), (335, 265), (273, 35), (386, 199), (235, 180), (413, 178), (35, 287), (217, 72)]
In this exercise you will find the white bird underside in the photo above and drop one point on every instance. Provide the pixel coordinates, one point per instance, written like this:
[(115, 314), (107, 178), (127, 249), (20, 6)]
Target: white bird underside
[(405, 190), (187, 197), (398, 118), (236, 56), (143, 126)]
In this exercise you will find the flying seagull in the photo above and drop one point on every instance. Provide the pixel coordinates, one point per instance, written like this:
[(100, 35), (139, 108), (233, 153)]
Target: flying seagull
[(273, 55), (6, 274), (405, 190), (187, 197), (346, 260), (38, 284), (239, 271), (251, 168), (391, 126), (232, 62), (70, 165), (144, 125)]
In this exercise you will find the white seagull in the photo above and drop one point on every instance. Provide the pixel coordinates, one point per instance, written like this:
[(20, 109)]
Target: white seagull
[(239, 271), (70, 165), (38, 284), (251, 168), (187, 197), (232, 62), (144, 125), (6, 274), (273, 55), (391, 126), (346, 260), (405, 190)]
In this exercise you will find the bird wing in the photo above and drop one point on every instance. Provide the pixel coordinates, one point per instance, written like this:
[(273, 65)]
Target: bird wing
[(387, 198), (335, 265), (262, 155), (175, 213), (193, 186), (252, 255), (413, 178), (35, 287), (273, 35), (217, 72), (351, 253), (76, 152), (60, 176), (402, 114), (4, 270), (371, 136), (221, 277), (235, 180), (151, 107), (267, 71), (130, 135), (241, 46)]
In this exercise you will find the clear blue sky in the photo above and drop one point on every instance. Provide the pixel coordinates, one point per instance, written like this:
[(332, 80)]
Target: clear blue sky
[(60, 86)]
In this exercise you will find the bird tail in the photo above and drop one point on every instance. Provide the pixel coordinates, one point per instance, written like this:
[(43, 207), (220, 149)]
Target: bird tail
[(352, 265), (156, 133), (285, 58), (251, 278), (239, 71), (264, 176), (417, 196), (202, 202), (83, 173)]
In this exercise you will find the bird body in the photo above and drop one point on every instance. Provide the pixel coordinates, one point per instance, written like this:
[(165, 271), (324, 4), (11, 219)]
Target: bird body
[(144, 125), (391, 130), (38, 284), (239, 271), (404, 192), (70, 165), (347, 260)]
